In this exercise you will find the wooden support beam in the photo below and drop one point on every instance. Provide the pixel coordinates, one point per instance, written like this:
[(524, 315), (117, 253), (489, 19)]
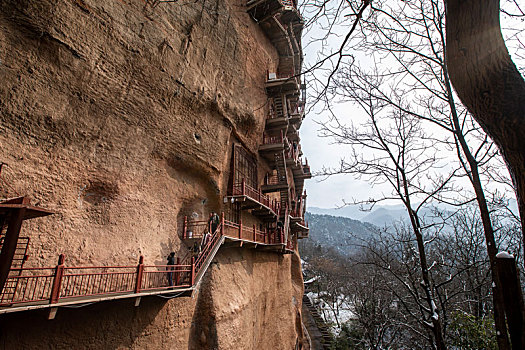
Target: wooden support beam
[(10, 241), (52, 313)]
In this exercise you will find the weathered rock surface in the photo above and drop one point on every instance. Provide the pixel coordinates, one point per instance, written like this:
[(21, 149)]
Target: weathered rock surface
[(121, 116)]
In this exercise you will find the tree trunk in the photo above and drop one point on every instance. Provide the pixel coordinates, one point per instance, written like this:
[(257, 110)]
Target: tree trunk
[(435, 321), (488, 82), (473, 169)]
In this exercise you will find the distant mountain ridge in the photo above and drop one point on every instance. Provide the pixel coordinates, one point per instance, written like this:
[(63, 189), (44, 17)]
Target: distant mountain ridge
[(379, 216), (386, 215), (340, 233)]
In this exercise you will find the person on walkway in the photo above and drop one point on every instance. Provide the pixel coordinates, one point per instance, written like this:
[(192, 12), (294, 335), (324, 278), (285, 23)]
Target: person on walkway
[(205, 239), (170, 267), (214, 222), (195, 250), (280, 229)]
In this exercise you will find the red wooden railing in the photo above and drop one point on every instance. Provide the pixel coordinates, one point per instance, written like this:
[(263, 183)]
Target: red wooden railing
[(61, 282), (306, 167), (296, 108), (243, 189), (206, 251), (293, 153), (299, 208), (251, 233), (269, 140), (281, 74), (32, 284), (194, 229)]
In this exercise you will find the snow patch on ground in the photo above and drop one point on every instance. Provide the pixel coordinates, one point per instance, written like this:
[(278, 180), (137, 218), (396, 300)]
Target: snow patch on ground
[(334, 314)]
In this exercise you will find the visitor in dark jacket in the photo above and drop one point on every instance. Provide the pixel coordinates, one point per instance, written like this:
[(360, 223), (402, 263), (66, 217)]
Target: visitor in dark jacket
[(170, 267), (214, 222)]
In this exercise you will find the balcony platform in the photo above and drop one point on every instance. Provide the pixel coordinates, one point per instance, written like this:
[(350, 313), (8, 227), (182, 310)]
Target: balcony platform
[(296, 119), (263, 9), (259, 210), (268, 151), (300, 229), (86, 300), (299, 173), (273, 187), (277, 124), (287, 85)]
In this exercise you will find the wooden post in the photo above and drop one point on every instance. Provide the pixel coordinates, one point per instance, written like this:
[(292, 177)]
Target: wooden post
[(514, 306), (240, 228), (140, 273), (185, 227), (177, 273), (243, 187), (192, 270), (57, 280), (254, 238), (222, 224)]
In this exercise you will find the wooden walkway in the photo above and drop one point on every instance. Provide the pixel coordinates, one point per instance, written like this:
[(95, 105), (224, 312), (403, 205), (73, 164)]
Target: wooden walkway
[(53, 287)]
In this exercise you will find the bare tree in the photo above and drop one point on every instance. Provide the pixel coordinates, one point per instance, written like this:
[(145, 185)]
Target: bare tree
[(406, 41), (392, 148)]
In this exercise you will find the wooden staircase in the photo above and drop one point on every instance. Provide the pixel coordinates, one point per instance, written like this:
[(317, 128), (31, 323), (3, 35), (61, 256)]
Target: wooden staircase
[(282, 175), (327, 337), (204, 260), (278, 104)]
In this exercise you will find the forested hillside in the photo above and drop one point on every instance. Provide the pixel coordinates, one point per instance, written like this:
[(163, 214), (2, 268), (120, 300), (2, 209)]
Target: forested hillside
[(344, 235)]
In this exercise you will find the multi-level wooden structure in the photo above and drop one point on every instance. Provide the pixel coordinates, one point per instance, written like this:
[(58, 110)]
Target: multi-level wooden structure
[(282, 200)]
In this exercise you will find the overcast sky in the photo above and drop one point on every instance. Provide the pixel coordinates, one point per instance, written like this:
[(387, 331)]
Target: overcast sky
[(330, 192)]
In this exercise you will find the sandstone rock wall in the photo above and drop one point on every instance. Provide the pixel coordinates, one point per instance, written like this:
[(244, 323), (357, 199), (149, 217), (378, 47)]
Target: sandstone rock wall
[(121, 116)]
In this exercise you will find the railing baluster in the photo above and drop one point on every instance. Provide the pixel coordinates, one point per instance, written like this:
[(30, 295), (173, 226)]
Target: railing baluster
[(192, 277)]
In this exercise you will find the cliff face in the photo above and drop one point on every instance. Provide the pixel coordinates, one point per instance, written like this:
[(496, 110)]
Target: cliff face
[(96, 124), (120, 116)]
